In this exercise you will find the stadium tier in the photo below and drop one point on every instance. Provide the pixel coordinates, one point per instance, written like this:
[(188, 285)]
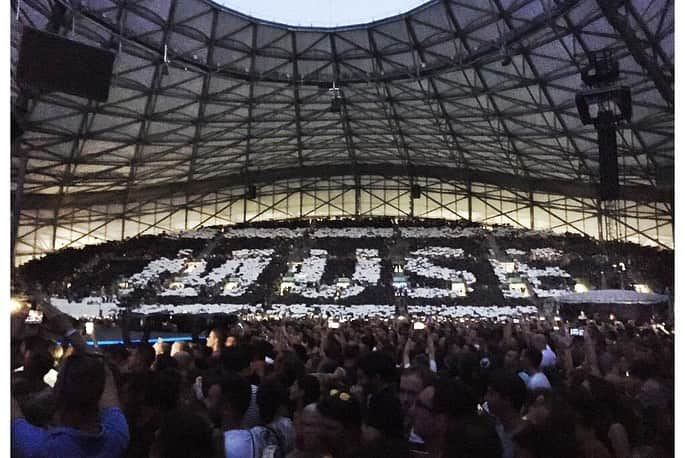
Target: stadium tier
[(301, 268)]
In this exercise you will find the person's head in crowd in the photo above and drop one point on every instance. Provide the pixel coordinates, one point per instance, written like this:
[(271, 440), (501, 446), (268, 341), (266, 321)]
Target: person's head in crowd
[(438, 407), (177, 347), (305, 390), (288, 367), (473, 437), (332, 349), (552, 423), (216, 339), (384, 418), (183, 434), (271, 399), (512, 360), (505, 395), (375, 371), (184, 361), (37, 363), (162, 348), (141, 358), (539, 341), (234, 393), (80, 384), (118, 355), (412, 381), (164, 361), (231, 341), (236, 359), (308, 438), (530, 360), (341, 422), (165, 389)]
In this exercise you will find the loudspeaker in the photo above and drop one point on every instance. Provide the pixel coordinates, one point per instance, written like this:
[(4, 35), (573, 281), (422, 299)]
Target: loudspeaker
[(251, 192), (50, 62), (415, 191), (608, 163)]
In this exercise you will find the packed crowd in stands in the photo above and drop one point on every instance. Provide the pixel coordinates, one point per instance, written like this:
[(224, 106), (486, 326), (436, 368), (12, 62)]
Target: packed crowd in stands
[(557, 260), (363, 388)]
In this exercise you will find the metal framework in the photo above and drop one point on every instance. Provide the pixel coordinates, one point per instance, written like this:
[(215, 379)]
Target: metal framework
[(472, 100)]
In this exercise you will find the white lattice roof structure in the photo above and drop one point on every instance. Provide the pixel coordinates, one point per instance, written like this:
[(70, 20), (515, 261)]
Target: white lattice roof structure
[(427, 100)]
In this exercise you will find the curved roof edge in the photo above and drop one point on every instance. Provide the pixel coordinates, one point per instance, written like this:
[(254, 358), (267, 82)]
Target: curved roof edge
[(338, 28)]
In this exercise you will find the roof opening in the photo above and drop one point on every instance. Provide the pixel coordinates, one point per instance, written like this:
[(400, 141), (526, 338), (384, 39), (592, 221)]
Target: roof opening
[(321, 13)]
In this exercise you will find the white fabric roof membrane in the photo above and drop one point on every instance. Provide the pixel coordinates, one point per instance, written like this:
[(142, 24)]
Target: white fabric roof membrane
[(426, 92)]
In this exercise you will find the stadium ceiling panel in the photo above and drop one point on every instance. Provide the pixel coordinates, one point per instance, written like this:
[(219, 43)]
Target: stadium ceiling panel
[(481, 88)]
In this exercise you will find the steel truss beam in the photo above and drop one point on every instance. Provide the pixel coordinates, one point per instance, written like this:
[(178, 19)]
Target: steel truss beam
[(561, 187)]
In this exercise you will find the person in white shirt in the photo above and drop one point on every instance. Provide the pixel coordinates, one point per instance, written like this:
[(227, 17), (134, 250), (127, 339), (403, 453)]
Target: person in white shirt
[(232, 406), (549, 358), (530, 361)]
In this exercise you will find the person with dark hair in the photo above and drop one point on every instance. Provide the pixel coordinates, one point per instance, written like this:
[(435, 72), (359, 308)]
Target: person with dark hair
[(308, 438), (142, 358), (271, 400), (341, 422), (412, 381), (437, 409), (29, 388), (234, 395), (473, 437), (304, 391), (375, 372), (90, 420), (183, 434), (530, 361), (236, 359), (505, 396), (215, 340)]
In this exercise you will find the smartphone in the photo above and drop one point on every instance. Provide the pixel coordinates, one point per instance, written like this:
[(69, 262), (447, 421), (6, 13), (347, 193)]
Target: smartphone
[(419, 326), (90, 327), (580, 332), (516, 321), (333, 324), (34, 317)]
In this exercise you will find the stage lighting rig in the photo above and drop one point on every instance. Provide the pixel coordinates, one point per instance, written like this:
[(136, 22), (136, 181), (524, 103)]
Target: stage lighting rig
[(604, 104)]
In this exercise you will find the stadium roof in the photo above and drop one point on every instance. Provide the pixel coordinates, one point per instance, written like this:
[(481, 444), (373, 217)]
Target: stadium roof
[(424, 93)]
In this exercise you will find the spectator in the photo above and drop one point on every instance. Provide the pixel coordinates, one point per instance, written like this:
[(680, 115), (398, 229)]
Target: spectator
[(215, 340), (437, 410), (340, 424), (308, 434), (184, 434), (271, 400), (412, 382), (530, 361), (505, 397), (90, 420)]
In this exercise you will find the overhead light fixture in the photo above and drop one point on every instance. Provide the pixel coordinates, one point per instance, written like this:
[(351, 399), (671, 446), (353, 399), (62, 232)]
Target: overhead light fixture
[(336, 99), (165, 64)]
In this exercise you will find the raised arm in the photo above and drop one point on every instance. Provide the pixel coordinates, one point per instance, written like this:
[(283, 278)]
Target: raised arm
[(61, 324), (109, 397)]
